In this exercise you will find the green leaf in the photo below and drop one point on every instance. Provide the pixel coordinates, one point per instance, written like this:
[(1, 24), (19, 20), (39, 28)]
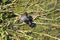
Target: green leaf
[(4, 1), (28, 38)]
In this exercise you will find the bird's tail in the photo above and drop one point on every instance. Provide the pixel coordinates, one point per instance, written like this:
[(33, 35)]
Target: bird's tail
[(31, 24)]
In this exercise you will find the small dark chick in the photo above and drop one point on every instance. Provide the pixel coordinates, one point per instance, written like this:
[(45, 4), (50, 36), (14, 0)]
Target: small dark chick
[(27, 19)]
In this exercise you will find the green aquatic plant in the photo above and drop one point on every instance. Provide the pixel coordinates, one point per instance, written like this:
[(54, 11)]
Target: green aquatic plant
[(45, 13)]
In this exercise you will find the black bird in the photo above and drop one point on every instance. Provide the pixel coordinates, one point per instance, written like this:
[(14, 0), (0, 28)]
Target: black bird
[(27, 19)]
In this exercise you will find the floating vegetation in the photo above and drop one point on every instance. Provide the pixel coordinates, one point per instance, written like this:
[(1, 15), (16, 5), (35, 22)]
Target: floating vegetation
[(45, 13)]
